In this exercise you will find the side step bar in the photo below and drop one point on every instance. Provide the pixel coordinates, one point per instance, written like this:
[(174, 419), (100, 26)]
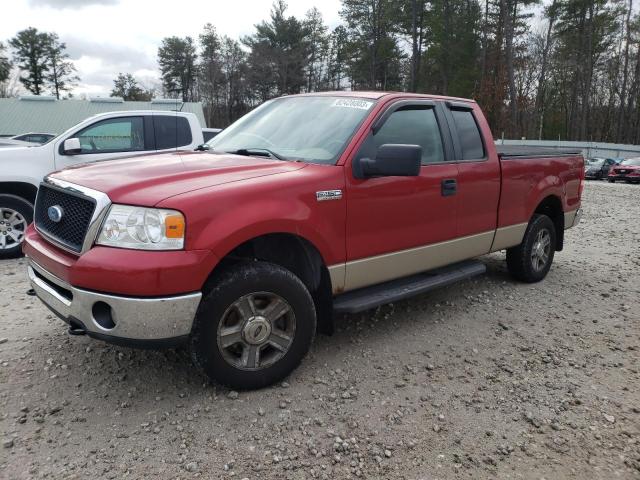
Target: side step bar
[(400, 289)]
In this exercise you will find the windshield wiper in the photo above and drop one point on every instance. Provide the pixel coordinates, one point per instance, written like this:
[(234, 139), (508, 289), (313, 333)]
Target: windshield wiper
[(259, 152)]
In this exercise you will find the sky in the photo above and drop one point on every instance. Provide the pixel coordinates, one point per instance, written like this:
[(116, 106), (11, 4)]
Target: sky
[(105, 37)]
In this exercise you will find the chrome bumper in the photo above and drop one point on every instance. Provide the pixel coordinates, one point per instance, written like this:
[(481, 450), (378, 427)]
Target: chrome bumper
[(128, 319)]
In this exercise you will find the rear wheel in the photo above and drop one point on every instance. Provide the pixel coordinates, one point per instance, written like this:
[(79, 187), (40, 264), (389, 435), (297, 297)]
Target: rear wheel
[(253, 326), (531, 260), (611, 180), (15, 215)]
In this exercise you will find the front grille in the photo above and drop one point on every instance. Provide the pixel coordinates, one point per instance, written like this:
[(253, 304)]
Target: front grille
[(77, 211)]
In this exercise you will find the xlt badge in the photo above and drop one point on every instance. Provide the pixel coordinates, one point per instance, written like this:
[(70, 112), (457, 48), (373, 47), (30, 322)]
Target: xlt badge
[(325, 195)]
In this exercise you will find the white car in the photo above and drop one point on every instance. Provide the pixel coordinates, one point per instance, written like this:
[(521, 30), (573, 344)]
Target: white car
[(33, 137), (106, 136), (11, 142), (209, 133)]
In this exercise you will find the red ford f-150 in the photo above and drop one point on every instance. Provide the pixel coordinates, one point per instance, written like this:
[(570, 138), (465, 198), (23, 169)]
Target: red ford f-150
[(307, 206)]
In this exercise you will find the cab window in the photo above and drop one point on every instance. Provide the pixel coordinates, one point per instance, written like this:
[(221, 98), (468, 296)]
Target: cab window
[(113, 135), (468, 134), (412, 125), (171, 131)]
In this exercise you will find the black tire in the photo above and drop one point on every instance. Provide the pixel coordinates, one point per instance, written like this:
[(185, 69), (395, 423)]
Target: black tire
[(520, 260), (9, 204), (237, 282), (611, 180)]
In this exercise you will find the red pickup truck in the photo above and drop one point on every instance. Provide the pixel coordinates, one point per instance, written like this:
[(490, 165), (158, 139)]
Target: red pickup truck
[(308, 206)]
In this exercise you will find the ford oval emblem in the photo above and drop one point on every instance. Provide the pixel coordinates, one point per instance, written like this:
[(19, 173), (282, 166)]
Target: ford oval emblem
[(55, 213)]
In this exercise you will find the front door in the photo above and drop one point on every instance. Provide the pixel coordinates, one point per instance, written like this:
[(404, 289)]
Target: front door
[(397, 226)]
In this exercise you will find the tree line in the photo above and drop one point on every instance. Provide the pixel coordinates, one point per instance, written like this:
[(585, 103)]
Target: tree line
[(43, 62), (567, 69)]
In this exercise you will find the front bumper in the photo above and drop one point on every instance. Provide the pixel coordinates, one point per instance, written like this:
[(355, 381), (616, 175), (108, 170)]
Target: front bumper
[(131, 321), (625, 177)]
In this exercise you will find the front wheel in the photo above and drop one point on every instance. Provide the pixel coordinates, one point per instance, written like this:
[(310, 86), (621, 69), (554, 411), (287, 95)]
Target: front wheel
[(531, 260), (16, 214), (254, 326), (611, 180)]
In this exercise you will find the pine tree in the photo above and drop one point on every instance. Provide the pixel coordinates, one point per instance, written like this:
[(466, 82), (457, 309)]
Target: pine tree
[(177, 59), (61, 76), (31, 55)]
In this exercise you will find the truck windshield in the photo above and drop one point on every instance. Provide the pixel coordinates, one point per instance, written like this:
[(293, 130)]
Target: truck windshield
[(309, 129)]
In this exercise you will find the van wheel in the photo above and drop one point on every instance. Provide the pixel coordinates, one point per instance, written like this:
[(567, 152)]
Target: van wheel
[(253, 327), (15, 216), (531, 260)]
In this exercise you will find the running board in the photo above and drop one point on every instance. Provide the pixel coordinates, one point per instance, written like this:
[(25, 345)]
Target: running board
[(400, 289)]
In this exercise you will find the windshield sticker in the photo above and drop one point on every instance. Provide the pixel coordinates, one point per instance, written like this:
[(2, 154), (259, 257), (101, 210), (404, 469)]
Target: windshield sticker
[(352, 103)]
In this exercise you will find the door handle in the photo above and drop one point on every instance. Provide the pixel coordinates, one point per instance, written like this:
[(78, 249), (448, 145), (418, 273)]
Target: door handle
[(449, 187)]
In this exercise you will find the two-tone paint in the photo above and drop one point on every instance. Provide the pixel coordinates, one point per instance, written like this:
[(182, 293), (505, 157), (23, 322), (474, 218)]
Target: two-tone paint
[(371, 231)]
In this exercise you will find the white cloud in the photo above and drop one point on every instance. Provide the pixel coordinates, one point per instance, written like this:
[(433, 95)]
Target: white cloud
[(105, 37), (70, 3)]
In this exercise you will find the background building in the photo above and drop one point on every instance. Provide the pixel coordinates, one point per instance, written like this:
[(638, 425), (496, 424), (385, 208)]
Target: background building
[(48, 115)]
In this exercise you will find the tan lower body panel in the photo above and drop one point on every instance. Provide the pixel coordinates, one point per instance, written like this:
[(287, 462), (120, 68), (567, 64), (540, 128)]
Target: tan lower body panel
[(336, 274), (569, 218), (381, 268), (508, 236)]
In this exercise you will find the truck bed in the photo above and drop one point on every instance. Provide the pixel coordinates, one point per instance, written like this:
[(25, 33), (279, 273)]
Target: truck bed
[(522, 152)]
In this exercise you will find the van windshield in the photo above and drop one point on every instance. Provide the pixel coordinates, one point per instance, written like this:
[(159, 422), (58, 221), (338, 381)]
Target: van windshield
[(309, 129)]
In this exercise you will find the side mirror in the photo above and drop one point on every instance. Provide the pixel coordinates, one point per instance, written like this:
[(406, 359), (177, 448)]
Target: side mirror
[(203, 147), (72, 146), (391, 161)]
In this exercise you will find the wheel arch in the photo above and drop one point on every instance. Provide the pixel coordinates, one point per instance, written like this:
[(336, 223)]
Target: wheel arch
[(551, 206), (23, 190), (295, 253)]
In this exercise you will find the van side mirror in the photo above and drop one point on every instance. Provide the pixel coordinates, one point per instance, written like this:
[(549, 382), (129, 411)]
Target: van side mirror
[(391, 161), (72, 146), (203, 147)]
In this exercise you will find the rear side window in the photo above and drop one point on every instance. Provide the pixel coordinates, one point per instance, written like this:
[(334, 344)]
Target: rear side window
[(171, 131), (412, 126), (468, 134)]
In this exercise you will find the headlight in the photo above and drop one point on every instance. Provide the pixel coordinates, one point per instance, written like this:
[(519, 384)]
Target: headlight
[(142, 228)]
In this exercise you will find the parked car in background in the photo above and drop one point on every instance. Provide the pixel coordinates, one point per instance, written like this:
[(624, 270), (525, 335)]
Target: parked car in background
[(628, 170), (309, 205), (35, 137), (598, 168), (10, 142), (209, 133), (106, 136)]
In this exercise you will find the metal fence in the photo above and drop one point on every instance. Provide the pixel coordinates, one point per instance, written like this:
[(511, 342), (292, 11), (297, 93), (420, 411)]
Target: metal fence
[(589, 149)]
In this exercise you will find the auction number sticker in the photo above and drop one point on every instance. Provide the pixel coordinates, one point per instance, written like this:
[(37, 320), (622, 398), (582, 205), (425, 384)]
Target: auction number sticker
[(352, 103)]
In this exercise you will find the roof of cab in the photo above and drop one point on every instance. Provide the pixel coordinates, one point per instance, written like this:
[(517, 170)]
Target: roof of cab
[(376, 95)]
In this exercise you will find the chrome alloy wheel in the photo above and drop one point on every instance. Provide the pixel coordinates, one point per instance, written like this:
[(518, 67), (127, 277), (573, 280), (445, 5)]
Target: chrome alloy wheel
[(12, 228), (256, 331), (541, 250)]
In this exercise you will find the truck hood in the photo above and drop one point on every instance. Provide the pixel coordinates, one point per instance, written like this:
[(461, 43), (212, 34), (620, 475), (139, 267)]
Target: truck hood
[(148, 179)]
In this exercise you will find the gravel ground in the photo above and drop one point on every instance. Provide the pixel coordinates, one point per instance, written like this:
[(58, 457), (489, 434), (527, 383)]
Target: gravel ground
[(486, 379)]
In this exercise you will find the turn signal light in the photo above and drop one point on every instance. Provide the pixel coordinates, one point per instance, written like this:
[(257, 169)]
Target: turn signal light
[(174, 226)]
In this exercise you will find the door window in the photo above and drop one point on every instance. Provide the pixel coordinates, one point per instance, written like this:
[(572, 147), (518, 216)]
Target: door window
[(113, 135), (468, 134), (412, 125)]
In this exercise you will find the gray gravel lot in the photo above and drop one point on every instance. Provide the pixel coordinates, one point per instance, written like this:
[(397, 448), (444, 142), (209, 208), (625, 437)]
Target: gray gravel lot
[(485, 379)]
